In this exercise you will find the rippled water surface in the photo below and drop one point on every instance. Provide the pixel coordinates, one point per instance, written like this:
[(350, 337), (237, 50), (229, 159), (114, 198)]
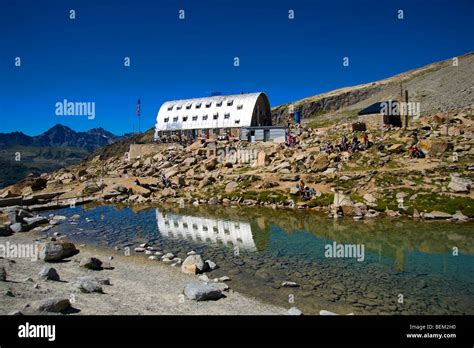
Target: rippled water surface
[(409, 267)]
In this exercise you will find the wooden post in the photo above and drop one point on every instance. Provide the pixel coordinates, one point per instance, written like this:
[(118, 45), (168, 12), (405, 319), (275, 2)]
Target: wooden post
[(406, 110)]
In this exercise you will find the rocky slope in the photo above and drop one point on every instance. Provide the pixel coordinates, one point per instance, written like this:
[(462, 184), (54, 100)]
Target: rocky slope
[(382, 179), (437, 87)]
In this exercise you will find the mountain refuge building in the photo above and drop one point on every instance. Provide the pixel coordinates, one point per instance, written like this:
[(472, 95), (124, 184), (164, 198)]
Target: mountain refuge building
[(246, 116)]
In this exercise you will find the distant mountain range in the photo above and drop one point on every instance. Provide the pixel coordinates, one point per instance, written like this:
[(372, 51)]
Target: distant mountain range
[(58, 147), (60, 135)]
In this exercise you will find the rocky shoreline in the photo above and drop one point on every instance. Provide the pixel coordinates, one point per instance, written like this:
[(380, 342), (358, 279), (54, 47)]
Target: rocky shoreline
[(66, 280)]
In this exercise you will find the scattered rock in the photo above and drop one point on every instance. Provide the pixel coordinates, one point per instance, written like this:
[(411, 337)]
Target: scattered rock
[(3, 274), (49, 273), (231, 186), (52, 304), (96, 279), (437, 215), (88, 286), (91, 263), (193, 264), (294, 311), (460, 216), (15, 312), (203, 291), (210, 265), (290, 285)]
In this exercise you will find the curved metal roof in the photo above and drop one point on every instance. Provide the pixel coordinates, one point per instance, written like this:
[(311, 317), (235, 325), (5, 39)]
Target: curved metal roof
[(210, 112)]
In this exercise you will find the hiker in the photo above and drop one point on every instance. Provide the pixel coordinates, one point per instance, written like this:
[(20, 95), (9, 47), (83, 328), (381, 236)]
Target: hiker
[(165, 181), (366, 140), (355, 144), (344, 143), (416, 153)]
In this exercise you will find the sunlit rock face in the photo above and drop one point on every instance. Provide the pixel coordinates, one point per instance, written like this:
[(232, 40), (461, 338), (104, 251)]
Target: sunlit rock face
[(202, 230)]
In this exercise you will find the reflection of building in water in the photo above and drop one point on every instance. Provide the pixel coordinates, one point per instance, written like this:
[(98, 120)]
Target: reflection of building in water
[(203, 230)]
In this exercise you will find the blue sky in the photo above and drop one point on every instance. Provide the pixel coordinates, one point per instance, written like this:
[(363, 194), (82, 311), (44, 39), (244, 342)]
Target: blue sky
[(82, 59)]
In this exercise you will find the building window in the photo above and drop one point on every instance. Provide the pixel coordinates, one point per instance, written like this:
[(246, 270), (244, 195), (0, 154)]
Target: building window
[(237, 121), (185, 118), (227, 115), (170, 107), (195, 118), (204, 117), (198, 105), (166, 119), (188, 106), (239, 107), (215, 116), (175, 119), (219, 103), (230, 102), (178, 107), (208, 104)]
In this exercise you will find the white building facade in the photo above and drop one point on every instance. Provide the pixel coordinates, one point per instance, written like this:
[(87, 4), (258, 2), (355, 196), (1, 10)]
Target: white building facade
[(213, 116)]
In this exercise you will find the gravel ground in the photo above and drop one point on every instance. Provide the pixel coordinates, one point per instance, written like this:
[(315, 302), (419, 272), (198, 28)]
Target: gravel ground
[(139, 286)]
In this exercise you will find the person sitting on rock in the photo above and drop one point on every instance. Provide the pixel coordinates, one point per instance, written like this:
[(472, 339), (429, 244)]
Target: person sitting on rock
[(344, 146), (355, 144)]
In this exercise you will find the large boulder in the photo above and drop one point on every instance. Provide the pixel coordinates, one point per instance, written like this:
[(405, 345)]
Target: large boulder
[(261, 159), (52, 304), (56, 251), (91, 188), (231, 186), (32, 222), (433, 147), (211, 164), (168, 192), (36, 183), (203, 292), (193, 264), (459, 184), (320, 163), (189, 161)]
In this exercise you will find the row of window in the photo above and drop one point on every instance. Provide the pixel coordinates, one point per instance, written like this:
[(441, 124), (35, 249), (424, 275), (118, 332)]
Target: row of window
[(208, 104), (204, 227), (204, 118)]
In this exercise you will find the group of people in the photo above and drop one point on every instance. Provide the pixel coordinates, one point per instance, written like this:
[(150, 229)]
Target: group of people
[(304, 190), (345, 145), (291, 140)]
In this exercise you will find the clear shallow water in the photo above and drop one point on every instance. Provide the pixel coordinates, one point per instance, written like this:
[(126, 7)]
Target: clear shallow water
[(259, 248)]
